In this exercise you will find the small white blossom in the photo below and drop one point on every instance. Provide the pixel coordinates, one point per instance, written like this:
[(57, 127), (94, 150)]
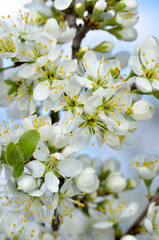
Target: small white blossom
[(87, 181), (145, 168), (115, 182)]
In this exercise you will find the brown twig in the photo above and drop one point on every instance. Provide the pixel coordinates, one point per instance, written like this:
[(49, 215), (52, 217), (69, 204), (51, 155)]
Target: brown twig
[(136, 226)]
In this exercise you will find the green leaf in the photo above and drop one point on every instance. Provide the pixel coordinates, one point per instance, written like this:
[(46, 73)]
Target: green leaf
[(156, 94), (14, 155), (3, 157), (18, 170), (28, 143)]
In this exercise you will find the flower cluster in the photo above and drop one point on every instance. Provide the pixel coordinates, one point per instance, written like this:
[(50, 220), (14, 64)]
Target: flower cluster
[(64, 105)]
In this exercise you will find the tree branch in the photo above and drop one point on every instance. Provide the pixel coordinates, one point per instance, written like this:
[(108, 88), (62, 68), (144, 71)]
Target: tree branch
[(136, 226)]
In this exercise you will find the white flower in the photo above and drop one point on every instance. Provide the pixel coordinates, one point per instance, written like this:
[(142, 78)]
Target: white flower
[(26, 183), (87, 181), (42, 124), (36, 54), (50, 165), (151, 222), (98, 72), (63, 201), (131, 5), (113, 212), (126, 19), (14, 228), (145, 168), (144, 63), (128, 237), (52, 80), (141, 110), (10, 132), (61, 5), (34, 202), (40, 7), (8, 46), (115, 182), (61, 33)]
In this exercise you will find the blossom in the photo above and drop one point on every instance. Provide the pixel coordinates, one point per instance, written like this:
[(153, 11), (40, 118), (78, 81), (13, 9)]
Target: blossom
[(151, 222), (60, 32), (42, 124), (34, 202), (87, 181), (115, 182), (145, 168), (51, 165), (141, 110), (113, 212), (126, 19), (144, 63), (98, 73)]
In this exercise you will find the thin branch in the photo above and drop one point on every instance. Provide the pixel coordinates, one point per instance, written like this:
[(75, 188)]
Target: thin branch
[(136, 226)]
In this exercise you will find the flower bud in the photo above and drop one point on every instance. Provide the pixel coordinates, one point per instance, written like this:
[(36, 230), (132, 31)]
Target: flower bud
[(68, 152), (99, 8), (26, 183), (130, 5), (82, 51), (116, 182), (104, 47), (87, 181), (80, 9), (128, 237), (141, 110), (126, 34), (111, 164), (133, 183)]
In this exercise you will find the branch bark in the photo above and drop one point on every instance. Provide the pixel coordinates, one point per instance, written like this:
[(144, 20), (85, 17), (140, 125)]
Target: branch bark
[(81, 31), (136, 226)]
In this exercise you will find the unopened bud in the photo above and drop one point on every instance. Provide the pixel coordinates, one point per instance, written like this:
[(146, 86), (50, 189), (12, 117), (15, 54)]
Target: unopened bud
[(141, 110), (80, 9), (82, 51), (125, 34), (99, 8), (104, 47), (116, 182), (128, 237)]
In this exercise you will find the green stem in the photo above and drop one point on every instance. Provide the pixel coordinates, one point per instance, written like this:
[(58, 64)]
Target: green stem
[(6, 68)]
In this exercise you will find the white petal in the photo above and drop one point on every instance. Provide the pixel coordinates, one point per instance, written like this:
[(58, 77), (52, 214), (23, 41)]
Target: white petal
[(91, 64), (148, 225), (52, 182), (36, 168), (80, 139), (26, 70), (70, 168), (62, 4), (135, 65), (36, 193), (42, 152), (143, 84), (103, 225), (45, 132), (41, 91), (67, 35), (26, 183)]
